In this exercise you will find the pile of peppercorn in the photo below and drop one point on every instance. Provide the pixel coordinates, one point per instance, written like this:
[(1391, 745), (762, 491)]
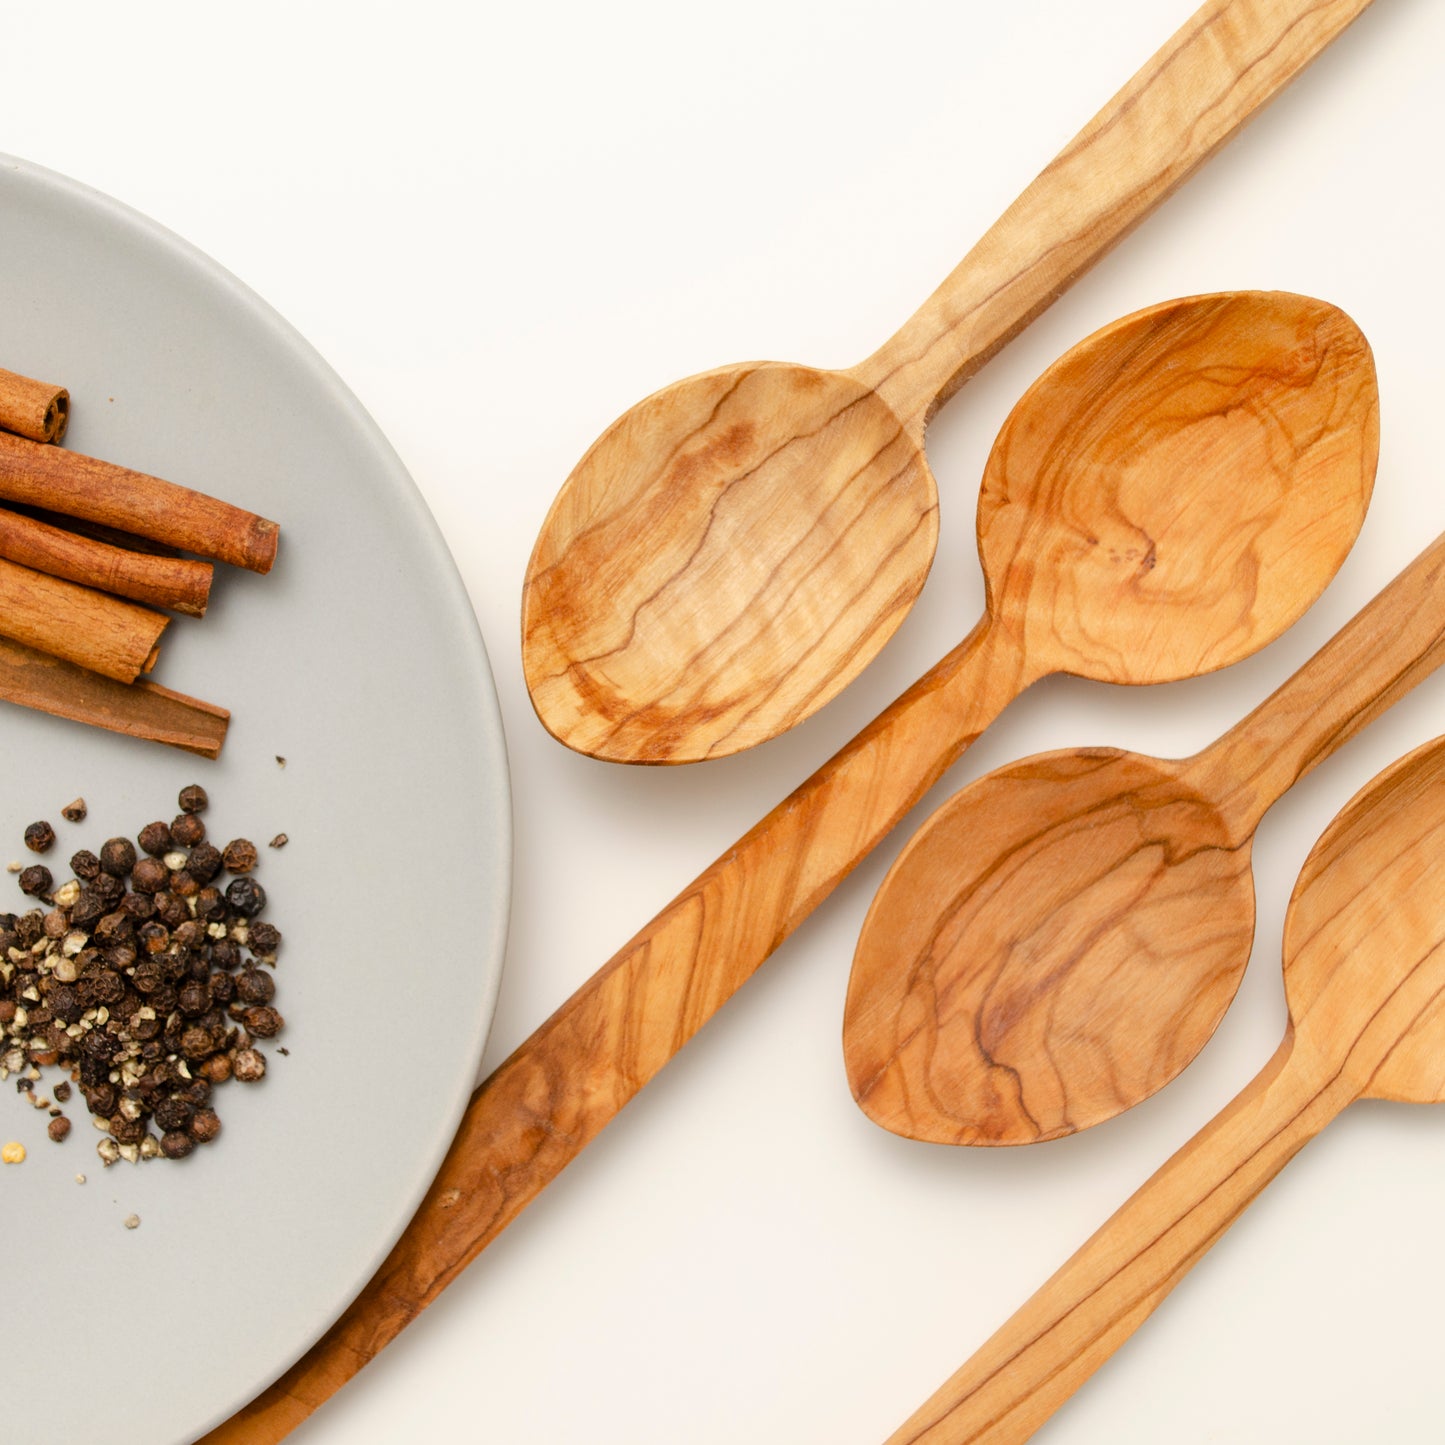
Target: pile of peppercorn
[(143, 979)]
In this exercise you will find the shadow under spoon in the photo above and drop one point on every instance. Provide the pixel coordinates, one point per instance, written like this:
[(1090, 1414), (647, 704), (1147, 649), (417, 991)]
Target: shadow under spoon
[(1063, 936), (1364, 973)]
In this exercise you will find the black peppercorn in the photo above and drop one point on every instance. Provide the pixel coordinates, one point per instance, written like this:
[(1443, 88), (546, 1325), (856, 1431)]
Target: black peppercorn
[(183, 884), (59, 1128), (217, 1069), (210, 905), (155, 838), (223, 987), (246, 896), (36, 880), (85, 865), (108, 890), (263, 1021), (197, 1043), (150, 875), (102, 1099), (193, 798), (113, 928), (176, 1144), (87, 911), (194, 998), (255, 986), (187, 830), (174, 1112), (191, 934), (225, 953), (117, 856), (265, 939), (204, 862), (138, 906), (204, 1126), (239, 855), (171, 910), (39, 837)]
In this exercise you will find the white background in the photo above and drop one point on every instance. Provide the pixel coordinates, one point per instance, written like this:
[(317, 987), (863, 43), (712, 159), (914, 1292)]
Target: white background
[(502, 226)]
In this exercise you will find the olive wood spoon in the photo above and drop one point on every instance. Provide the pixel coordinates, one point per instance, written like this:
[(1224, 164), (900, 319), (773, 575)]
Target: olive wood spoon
[(735, 549), (1063, 936), (1364, 973), (1167, 498)]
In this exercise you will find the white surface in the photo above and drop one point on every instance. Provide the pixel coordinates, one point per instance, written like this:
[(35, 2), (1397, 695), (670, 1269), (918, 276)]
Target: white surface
[(504, 225)]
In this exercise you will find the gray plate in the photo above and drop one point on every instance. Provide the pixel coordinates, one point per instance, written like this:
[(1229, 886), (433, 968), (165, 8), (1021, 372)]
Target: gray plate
[(358, 660)]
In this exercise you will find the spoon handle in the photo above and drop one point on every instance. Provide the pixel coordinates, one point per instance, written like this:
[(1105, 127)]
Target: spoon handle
[(537, 1111), (1228, 60), (1076, 1321), (1395, 642)]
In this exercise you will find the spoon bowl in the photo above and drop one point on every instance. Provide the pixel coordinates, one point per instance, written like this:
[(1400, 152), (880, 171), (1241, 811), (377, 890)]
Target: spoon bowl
[(762, 520), (1026, 931)]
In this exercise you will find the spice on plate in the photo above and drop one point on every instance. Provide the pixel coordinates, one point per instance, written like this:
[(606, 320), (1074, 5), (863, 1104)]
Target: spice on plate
[(147, 984), (75, 812)]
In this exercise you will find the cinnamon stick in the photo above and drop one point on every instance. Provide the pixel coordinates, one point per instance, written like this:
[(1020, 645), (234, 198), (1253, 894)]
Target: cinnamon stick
[(98, 491), (174, 582), (139, 710), (103, 634), (34, 409)]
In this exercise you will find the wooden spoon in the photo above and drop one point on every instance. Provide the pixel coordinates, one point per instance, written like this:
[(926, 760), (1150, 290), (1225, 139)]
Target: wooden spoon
[(1227, 443), (735, 549), (1063, 936), (1364, 972)]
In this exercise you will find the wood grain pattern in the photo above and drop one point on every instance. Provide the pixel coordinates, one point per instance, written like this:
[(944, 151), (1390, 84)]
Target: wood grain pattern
[(138, 710), (35, 409), (1060, 939), (566, 1082), (1365, 980), (91, 629), (99, 491), (178, 583), (734, 550)]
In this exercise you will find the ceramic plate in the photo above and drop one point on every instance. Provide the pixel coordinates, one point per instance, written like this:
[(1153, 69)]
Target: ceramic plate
[(358, 662)]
